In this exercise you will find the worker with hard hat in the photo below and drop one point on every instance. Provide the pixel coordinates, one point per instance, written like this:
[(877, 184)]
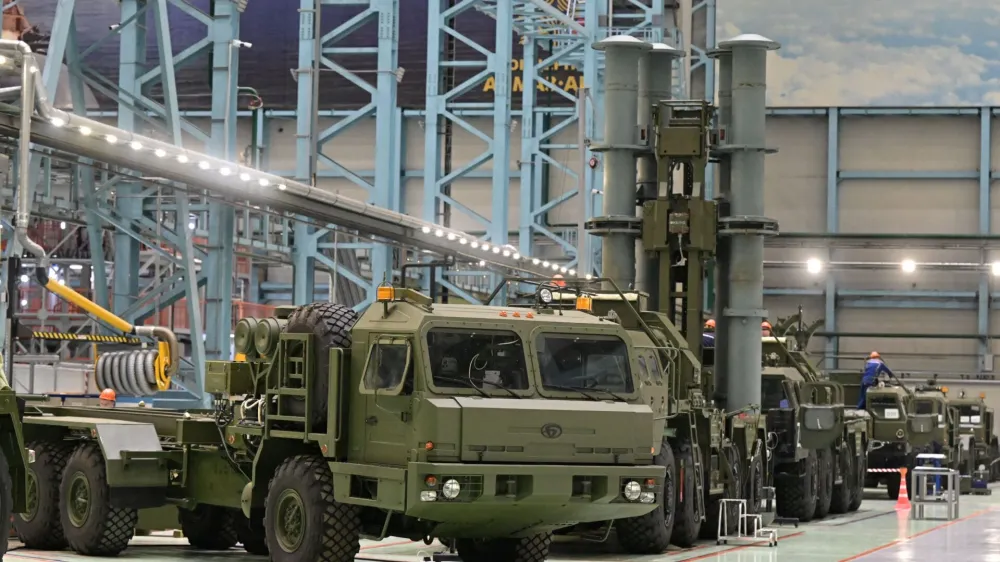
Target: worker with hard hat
[(874, 367), (708, 335), (108, 398), (765, 328)]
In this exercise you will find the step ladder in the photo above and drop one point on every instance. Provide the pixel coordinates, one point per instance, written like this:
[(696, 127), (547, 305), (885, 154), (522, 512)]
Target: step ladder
[(699, 467)]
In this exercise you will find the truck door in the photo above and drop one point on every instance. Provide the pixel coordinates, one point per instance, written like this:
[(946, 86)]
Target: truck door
[(387, 385), (655, 390)]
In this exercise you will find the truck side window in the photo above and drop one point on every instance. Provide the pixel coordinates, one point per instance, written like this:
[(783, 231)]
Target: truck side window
[(483, 359), (644, 370), (387, 365), (655, 369)]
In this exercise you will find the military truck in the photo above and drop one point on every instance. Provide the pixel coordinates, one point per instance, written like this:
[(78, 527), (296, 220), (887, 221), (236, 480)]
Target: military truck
[(410, 419), (14, 458), (821, 446), (976, 431), (714, 454), (900, 431)]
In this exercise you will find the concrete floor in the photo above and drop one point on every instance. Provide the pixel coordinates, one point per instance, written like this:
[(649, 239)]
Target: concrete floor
[(876, 533)]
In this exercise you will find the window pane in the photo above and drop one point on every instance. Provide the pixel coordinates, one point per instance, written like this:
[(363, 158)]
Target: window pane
[(655, 369), (584, 362), (772, 393), (386, 366), (485, 359)]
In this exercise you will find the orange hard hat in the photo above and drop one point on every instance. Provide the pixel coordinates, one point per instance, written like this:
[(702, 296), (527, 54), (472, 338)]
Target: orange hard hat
[(559, 283), (108, 394), (710, 323), (765, 324), (874, 355)]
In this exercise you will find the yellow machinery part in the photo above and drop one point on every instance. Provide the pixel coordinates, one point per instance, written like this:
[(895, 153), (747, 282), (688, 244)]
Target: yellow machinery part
[(162, 363), (83, 302)]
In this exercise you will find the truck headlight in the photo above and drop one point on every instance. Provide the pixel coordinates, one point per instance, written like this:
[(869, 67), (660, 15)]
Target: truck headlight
[(632, 491), (428, 496), (647, 497), (451, 489)]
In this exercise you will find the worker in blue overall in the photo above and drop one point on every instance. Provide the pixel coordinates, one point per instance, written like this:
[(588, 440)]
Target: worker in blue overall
[(708, 334), (873, 368)]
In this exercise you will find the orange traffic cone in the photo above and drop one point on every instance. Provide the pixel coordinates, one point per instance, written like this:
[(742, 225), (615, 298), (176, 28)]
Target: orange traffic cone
[(903, 502)]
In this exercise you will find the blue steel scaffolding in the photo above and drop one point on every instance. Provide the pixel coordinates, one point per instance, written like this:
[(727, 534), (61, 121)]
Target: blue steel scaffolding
[(136, 213)]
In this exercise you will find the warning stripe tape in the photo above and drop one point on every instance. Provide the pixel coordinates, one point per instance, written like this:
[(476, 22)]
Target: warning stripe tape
[(885, 470), (85, 337)]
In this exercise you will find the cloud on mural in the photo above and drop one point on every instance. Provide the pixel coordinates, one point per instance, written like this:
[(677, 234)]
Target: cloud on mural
[(874, 52)]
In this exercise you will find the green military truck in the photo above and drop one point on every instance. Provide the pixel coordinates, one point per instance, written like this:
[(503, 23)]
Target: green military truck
[(485, 427), (15, 460), (820, 448), (899, 431), (976, 432)]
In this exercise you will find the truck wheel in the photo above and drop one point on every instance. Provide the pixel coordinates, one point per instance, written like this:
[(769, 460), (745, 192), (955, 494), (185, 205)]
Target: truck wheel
[(842, 493), (754, 489), (687, 521), (93, 527), (331, 324), (302, 521), (6, 499), (208, 527), (710, 526), (825, 474), (858, 491), (250, 532), (529, 549), (40, 527), (650, 533), (796, 493)]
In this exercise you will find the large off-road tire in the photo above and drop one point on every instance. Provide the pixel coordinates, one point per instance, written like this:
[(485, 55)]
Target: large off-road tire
[(687, 521), (825, 477), (650, 533), (710, 526), (840, 500), (331, 325), (302, 521), (250, 532), (208, 527), (753, 488), (861, 465), (6, 499), (40, 527), (92, 526), (529, 549), (796, 493)]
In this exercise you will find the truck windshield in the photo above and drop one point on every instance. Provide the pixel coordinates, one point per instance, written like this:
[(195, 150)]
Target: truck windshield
[(970, 415), (772, 393), (483, 359), (584, 362), (924, 407)]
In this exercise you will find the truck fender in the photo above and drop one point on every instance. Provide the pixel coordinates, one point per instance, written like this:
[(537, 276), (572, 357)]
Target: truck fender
[(271, 454)]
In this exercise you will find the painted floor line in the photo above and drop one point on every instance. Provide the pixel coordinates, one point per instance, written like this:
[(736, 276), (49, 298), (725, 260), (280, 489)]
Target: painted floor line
[(859, 519), (915, 535)]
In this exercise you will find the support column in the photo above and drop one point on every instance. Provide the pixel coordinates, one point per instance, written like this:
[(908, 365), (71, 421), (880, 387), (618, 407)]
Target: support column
[(746, 224), (832, 347), (619, 226), (724, 247), (985, 172), (655, 85)]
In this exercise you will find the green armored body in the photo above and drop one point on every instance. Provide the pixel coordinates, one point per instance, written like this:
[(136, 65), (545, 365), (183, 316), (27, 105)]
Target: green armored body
[(485, 427), (821, 445)]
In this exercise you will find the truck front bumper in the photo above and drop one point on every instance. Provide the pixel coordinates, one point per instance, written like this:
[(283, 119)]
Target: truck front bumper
[(520, 500)]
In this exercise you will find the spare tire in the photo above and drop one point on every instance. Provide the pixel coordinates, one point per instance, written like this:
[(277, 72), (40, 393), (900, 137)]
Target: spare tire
[(331, 325)]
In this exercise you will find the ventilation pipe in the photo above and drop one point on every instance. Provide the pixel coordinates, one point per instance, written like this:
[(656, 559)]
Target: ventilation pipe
[(33, 92)]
